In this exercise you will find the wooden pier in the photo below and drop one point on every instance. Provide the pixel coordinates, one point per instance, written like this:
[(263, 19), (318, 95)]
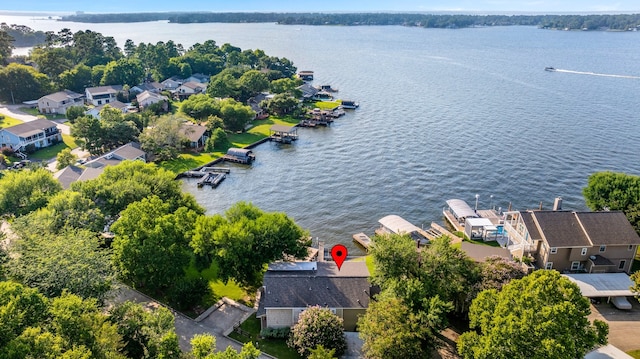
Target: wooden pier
[(212, 179), (216, 169), (363, 240), (437, 230)]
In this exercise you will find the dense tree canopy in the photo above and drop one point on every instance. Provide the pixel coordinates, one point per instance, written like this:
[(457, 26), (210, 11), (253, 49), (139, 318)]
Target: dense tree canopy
[(163, 138), (246, 240), (151, 246), (616, 192), (22, 83), (110, 131), (25, 191), (542, 315), (65, 327), (318, 326), (71, 261)]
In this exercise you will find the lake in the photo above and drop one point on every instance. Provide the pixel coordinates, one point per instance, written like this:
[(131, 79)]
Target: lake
[(443, 114)]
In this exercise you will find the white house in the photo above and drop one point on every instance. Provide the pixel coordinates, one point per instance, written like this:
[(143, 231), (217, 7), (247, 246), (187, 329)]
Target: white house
[(59, 102), (148, 98), (102, 94), (39, 133), (190, 88)]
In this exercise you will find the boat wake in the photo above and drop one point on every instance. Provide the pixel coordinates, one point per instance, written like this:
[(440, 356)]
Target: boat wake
[(597, 74)]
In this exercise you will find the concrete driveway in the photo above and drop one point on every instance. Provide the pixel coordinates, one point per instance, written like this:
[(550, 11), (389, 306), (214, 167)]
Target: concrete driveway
[(624, 325)]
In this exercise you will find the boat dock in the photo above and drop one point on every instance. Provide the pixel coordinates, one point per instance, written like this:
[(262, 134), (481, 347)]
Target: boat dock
[(363, 240), (212, 179), (437, 230), (216, 169)]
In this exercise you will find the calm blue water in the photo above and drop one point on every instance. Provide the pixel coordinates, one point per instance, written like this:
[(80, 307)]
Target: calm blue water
[(443, 114)]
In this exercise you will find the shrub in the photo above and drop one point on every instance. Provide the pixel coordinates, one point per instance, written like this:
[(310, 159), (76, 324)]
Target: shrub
[(275, 333), (7, 151), (318, 326)]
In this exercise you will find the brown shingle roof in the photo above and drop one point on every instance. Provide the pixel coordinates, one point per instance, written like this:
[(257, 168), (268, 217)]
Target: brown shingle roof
[(608, 228), (527, 218), (561, 229)]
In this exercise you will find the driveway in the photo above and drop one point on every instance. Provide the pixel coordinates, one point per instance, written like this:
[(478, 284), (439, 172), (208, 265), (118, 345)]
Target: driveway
[(13, 111), (624, 325)]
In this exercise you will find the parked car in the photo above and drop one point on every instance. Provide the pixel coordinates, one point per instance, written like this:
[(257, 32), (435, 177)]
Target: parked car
[(621, 303)]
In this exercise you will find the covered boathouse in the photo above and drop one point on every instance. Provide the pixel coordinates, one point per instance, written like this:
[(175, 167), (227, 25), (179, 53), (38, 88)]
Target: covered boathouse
[(283, 133), (239, 155)]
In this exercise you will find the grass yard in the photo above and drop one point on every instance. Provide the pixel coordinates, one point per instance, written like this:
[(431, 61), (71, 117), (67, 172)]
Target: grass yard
[(6, 121), (260, 130), (276, 347), (634, 353), (327, 105), (230, 290), (34, 112), (50, 152)]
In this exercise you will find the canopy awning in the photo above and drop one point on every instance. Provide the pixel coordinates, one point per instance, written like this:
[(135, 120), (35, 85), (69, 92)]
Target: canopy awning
[(460, 208), (602, 284)]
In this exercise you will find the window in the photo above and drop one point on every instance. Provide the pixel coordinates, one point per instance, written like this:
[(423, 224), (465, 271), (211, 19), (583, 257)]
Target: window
[(603, 248), (549, 265), (584, 251), (622, 264), (630, 248), (554, 250), (575, 265)]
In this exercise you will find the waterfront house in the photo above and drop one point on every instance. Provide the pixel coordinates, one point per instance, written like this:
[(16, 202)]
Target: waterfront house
[(70, 174), (254, 103), (290, 287), (59, 102), (308, 91), (306, 75), (40, 133), (592, 242), (130, 151), (101, 95), (194, 133)]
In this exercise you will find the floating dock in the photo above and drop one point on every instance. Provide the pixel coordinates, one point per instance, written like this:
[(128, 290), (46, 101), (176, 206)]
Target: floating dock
[(363, 240), (212, 179)]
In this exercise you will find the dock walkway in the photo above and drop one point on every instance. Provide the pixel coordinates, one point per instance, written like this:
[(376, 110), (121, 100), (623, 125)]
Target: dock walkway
[(363, 240)]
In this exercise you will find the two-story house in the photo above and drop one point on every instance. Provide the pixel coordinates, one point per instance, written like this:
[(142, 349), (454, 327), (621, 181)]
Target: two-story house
[(39, 133), (59, 102), (189, 88), (592, 242), (101, 95)]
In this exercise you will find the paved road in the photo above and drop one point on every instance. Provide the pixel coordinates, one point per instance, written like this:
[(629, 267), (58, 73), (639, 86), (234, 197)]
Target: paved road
[(624, 325), (13, 111), (215, 324)]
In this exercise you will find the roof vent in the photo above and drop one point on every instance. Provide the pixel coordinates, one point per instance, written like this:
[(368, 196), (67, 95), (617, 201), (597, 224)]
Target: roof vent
[(592, 258), (309, 288)]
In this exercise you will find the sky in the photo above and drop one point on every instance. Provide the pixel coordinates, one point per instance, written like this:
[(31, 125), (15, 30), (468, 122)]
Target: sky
[(487, 6)]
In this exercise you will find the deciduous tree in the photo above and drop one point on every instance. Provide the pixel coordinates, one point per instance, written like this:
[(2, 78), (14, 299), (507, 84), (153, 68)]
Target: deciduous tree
[(318, 326), (71, 261), (164, 138), (151, 246), (65, 158), (22, 83), (615, 191), (25, 191), (542, 315)]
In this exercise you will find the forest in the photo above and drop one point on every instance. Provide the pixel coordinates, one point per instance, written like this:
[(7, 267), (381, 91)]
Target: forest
[(618, 22)]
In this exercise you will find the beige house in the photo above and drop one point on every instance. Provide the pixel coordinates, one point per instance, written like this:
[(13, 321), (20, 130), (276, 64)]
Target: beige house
[(59, 102), (291, 287), (591, 242)]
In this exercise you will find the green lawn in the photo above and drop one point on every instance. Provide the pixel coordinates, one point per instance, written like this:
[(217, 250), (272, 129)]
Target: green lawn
[(327, 105), (6, 121), (34, 112), (230, 290), (258, 131), (634, 353), (276, 347)]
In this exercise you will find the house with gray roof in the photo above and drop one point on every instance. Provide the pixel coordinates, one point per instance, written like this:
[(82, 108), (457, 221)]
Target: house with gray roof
[(189, 88), (40, 133), (196, 134), (59, 102), (291, 287), (95, 111), (592, 242), (148, 98), (130, 151), (152, 86)]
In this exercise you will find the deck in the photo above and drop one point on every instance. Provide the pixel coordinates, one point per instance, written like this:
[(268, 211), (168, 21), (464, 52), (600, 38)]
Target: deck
[(212, 179), (453, 221)]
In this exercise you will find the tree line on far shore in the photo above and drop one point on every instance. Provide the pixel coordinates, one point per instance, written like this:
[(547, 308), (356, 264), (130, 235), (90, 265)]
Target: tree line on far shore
[(573, 22)]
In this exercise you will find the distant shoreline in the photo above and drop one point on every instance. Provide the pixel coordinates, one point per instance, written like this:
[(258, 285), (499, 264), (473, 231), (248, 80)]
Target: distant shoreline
[(589, 22)]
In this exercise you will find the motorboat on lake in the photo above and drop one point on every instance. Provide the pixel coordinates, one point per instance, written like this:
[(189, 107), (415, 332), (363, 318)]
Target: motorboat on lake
[(549, 68)]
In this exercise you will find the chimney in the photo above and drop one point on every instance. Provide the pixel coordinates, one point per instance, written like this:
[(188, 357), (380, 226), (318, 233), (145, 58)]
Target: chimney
[(557, 204)]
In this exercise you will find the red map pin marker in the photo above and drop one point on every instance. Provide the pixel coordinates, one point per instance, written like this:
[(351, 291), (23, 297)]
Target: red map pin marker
[(339, 254)]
